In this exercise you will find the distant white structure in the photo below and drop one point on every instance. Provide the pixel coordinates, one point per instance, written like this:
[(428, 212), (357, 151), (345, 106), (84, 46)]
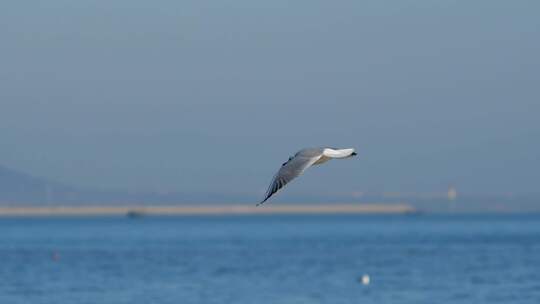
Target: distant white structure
[(452, 193)]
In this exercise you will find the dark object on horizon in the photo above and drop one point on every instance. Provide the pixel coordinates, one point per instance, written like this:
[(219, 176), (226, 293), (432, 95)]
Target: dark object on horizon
[(135, 214)]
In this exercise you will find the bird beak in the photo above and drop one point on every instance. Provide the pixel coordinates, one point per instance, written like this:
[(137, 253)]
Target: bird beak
[(354, 154)]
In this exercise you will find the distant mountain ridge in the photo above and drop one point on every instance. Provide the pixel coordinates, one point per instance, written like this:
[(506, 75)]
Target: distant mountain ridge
[(17, 188)]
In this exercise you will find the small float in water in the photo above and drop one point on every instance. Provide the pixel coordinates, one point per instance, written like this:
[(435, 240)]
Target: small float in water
[(135, 213)]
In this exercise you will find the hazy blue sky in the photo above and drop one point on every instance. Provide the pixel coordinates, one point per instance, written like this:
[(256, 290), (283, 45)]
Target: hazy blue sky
[(214, 95)]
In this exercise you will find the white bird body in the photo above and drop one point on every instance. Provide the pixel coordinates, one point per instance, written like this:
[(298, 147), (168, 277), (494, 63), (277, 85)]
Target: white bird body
[(303, 159)]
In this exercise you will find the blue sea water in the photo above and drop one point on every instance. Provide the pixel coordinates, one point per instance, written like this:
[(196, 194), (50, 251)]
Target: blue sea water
[(271, 259)]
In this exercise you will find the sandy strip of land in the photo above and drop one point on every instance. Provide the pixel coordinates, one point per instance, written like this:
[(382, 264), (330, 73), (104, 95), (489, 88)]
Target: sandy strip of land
[(206, 210)]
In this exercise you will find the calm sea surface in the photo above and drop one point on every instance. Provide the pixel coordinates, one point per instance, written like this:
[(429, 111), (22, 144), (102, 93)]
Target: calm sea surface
[(271, 259)]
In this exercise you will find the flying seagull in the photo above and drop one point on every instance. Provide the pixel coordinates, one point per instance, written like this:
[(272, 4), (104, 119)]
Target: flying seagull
[(297, 164)]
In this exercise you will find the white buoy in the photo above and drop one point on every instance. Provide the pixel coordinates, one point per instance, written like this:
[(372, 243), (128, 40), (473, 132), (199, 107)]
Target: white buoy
[(365, 279)]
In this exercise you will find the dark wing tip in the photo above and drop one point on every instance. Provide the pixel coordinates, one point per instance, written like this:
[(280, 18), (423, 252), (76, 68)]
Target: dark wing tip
[(263, 201), (275, 187)]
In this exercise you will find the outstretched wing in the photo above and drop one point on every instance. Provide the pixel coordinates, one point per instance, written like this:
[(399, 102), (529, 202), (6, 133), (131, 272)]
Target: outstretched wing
[(291, 169)]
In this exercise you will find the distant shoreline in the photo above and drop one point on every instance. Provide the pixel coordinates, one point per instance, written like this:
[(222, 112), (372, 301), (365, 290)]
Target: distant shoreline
[(137, 211)]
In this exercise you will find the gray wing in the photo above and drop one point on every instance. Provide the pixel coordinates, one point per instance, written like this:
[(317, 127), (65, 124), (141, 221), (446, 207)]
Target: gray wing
[(291, 169)]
